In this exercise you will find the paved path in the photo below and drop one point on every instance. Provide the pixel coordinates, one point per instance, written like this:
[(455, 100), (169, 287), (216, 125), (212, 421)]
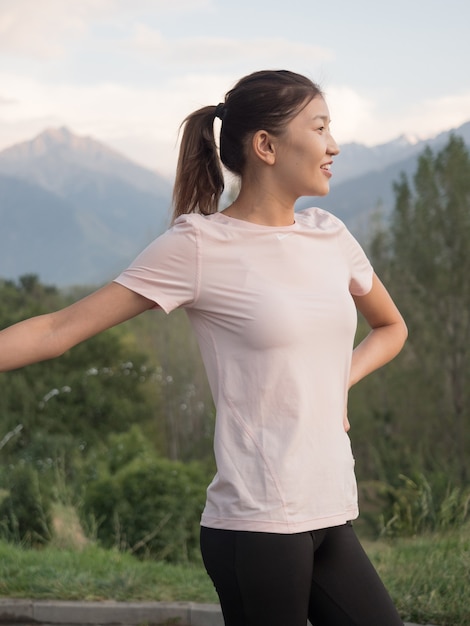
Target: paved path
[(109, 613)]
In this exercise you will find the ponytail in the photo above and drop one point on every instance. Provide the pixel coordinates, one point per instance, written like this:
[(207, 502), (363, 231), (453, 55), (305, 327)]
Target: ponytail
[(199, 181)]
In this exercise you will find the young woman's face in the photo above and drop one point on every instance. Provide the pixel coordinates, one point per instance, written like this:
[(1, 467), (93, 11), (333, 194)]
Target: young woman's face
[(304, 152)]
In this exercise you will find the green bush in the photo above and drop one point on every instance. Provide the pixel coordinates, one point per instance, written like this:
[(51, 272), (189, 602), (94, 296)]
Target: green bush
[(144, 504), (25, 507), (417, 505), (123, 448)]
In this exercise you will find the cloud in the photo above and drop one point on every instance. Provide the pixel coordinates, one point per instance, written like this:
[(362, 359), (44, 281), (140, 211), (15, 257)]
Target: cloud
[(5, 101), (43, 28), (223, 52), (370, 120), (448, 112), (352, 114), (38, 28)]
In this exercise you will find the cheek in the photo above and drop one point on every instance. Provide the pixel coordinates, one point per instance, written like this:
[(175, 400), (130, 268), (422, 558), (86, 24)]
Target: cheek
[(304, 155), (312, 150)]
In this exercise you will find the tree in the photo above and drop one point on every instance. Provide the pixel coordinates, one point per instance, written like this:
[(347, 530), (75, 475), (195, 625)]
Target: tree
[(429, 275)]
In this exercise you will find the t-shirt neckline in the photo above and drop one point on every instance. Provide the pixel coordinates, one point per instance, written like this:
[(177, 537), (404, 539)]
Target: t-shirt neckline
[(246, 225)]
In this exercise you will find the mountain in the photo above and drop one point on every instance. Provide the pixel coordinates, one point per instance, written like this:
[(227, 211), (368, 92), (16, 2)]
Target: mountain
[(363, 178), (356, 159), (74, 211)]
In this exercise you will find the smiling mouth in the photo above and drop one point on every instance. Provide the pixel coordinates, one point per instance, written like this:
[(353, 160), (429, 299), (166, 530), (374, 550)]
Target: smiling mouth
[(326, 168)]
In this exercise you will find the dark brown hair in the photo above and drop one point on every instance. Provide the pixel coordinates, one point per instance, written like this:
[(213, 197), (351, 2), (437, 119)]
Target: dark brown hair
[(265, 100)]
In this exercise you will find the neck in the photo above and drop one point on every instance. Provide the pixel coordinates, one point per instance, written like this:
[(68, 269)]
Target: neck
[(261, 208)]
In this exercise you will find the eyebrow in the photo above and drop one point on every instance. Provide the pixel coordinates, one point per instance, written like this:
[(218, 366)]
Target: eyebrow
[(322, 117)]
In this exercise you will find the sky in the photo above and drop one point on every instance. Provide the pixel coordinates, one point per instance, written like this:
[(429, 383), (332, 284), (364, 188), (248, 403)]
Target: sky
[(127, 72)]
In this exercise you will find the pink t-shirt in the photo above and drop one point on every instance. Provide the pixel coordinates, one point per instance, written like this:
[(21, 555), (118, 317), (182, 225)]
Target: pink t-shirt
[(275, 320)]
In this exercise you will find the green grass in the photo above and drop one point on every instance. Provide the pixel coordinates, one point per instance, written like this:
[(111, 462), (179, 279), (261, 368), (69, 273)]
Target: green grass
[(97, 574), (428, 577)]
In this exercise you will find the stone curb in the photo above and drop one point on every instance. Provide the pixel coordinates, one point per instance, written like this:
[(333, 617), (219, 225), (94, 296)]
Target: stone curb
[(109, 613)]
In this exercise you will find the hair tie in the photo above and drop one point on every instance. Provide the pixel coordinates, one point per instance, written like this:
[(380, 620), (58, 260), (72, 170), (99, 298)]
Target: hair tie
[(220, 111)]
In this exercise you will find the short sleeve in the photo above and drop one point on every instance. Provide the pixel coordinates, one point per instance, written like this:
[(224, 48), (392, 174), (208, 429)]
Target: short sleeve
[(361, 271), (167, 271)]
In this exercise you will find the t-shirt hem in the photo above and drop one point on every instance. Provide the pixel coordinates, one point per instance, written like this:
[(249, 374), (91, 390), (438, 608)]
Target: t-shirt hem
[(284, 528)]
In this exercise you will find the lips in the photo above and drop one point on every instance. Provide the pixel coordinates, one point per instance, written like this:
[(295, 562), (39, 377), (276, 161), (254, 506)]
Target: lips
[(326, 168)]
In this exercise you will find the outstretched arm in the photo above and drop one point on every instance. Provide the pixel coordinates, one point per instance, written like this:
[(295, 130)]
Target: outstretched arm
[(48, 336), (387, 336)]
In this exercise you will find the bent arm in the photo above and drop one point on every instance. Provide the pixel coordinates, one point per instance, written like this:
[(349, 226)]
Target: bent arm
[(387, 336), (50, 335)]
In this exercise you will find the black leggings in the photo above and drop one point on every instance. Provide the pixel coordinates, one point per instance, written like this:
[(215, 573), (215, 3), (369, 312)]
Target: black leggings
[(268, 579)]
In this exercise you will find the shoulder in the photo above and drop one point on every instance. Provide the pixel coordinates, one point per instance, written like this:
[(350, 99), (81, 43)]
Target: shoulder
[(207, 230), (186, 223), (322, 221), (195, 222), (179, 241), (184, 231), (319, 219)]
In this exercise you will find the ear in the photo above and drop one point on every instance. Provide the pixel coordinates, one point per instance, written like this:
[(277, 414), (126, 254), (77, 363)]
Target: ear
[(264, 147)]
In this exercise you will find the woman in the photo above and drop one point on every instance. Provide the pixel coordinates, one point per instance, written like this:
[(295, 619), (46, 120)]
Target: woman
[(273, 297)]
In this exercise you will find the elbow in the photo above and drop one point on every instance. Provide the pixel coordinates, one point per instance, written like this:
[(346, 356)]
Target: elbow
[(58, 351), (402, 332), (59, 345), (51, 349)]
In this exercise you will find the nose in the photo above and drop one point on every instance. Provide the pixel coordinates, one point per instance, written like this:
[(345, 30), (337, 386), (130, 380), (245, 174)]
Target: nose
[(333, 147)]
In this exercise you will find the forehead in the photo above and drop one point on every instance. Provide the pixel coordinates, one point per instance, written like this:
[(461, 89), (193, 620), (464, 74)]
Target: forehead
[(316, 109)]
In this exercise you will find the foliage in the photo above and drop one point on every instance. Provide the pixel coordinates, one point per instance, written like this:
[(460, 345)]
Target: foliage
[(25, 507), (414, 506), (413, 416), (147, 505), (431, 257)]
